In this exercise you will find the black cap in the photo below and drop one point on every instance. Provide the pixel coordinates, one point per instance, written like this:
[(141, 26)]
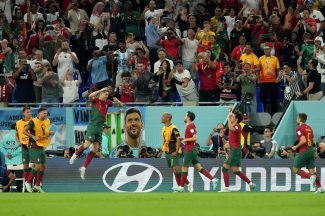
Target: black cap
[(179, 61)]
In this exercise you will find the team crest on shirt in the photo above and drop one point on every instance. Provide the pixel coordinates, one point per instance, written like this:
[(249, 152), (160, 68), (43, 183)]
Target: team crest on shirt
[(192, 130), (236, 127), (299, 133)]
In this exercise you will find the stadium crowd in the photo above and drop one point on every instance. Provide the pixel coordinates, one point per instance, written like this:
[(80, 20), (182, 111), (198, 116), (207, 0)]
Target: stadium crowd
[(165, 50)]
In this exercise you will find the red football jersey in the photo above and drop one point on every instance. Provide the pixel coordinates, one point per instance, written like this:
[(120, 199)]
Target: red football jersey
[(190, 131), (234, 137), (306, 131)]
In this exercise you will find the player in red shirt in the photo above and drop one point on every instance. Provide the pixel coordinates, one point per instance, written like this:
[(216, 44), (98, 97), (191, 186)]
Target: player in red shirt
[(191, 153), (99, 106), (235, 153), (306, 153)]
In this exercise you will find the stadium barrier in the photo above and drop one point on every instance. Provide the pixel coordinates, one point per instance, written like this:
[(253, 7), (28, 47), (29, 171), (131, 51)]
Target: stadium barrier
[(153, 175)]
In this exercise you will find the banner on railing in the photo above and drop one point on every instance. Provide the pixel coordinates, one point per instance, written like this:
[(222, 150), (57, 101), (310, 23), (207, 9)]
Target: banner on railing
[(153, 175)]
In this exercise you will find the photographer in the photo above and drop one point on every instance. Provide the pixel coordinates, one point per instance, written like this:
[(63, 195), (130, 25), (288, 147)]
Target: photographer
[(268, 143), (257, 151), (24, 77), (218, 140), (227, 85), (321, 148), (305, 24), (123, 151), (247, 81), (97, 68), (285, 152), (6, 179)]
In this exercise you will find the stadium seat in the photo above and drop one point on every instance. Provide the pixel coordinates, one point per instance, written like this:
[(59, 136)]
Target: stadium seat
[(260, 119), (276, 117), (20, 168)]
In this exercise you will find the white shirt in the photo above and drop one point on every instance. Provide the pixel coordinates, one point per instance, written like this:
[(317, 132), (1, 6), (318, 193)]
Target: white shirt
[(35, 17), (158, 63), (64, 63), (251, 4), (230, 21), (52, 17), (189, 49), (190, 88), (70, 91), (154, 13), (321, 65)]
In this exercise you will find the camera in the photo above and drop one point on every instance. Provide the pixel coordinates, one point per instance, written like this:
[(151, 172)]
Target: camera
[(124, 152), (259, 151), (149, 152)]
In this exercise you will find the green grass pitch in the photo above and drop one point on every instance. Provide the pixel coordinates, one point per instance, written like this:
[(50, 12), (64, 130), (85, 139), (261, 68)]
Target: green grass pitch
[(165, 204)]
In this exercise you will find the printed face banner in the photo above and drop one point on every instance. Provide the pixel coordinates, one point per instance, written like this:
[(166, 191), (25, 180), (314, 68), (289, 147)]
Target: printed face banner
[(153, 175), (57, 117)]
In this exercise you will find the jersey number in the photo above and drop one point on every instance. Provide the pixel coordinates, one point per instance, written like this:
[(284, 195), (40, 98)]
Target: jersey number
[(309, 139)]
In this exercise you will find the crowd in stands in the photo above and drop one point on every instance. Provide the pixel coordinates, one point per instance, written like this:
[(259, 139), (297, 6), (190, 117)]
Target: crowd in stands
[(165, 50)]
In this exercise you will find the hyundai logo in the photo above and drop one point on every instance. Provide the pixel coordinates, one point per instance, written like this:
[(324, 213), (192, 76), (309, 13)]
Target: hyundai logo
[(122, 178)]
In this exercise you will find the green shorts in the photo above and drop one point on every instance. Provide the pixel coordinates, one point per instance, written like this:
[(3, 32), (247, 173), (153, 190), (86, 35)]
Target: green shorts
[(234, 158), (191, 157), (94, 134), (37, 155), (25, 154), (305, 159), (172, 161)]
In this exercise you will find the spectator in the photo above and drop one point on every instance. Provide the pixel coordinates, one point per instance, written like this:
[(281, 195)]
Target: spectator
[(170, 44), (5, 30), (70, 86), (237, 32), (116, 21), (123, 57), (230, 20), (5, 6), (140, 55), (131, 43), (99, 36), (32, 14), (64, 59), (222, 37), (7, 59), (269, 144), (258, 28), (130, 19), (166, 85), (97, 69), (52, 17), (238, 51), (51, 87), (62, 31), (319, 54), (182, 20), (170, 24), (249, 57), (152, 36), (24, 77), (192, 21), (184, 83), (307, 49), (269, 67), (203, 35), (218, 140), (189, 47), (288, 54), (206, 70), (276, 26), (5, 91), (290, 79), (316, 15), (126, 89), (99, 17), (38, 71), (162, 56), (313, 90), (247, 81), (249, 6), (143, 85), (51, 46), (83, 43), (6, 179), (151, 11), (227, 85), (306, 24), (75, 15), (37, 38)]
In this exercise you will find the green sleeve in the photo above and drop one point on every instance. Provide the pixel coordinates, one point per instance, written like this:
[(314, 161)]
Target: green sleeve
[(31, 124)]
